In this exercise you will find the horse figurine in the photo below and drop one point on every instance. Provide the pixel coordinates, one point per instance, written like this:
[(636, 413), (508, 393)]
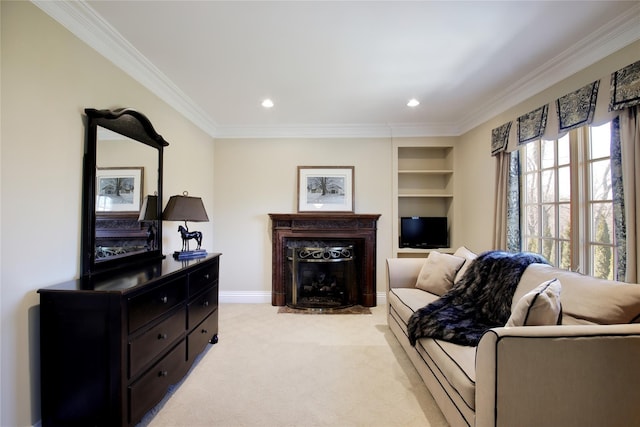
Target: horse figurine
[(188, 235)]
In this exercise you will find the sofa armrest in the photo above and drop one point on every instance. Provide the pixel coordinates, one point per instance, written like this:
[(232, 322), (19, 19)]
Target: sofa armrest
[(559, 376), (403, 272)]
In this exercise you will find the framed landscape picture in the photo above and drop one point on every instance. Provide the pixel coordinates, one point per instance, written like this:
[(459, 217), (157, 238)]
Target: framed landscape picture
[(325, 188), (118, 190)]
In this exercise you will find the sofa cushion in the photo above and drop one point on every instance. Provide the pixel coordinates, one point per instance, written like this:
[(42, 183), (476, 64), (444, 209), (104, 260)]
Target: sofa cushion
[(405, 301), (586, 298), (456, 363), (539, 307), (438, 272), (468, 256)]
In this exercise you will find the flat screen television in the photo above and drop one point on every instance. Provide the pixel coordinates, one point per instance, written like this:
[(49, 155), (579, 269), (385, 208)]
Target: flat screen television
[(424, 232)]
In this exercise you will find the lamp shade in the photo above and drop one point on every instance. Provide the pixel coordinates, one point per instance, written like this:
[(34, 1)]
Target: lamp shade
[(149, 210), (185, 208)]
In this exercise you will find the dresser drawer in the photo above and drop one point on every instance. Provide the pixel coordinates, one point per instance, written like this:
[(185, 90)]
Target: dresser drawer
[(145, 307), (203, 277), (202, 305), (146, 392), (144, 348), (201, 335)]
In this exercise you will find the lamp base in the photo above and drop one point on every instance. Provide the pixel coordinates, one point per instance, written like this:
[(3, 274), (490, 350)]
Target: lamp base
[(200, 253)]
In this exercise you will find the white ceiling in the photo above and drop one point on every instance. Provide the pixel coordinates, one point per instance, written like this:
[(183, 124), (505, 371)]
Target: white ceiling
[(348, 68)]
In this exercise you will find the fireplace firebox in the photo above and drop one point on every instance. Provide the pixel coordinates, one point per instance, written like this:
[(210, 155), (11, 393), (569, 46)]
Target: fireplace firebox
[(293, 232), (321, 277)]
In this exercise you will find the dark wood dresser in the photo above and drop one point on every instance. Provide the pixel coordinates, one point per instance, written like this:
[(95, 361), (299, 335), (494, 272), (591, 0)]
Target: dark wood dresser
[(112, 346)]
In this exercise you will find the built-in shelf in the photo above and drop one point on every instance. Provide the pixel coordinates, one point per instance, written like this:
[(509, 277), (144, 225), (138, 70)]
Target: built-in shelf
[(423, 185)]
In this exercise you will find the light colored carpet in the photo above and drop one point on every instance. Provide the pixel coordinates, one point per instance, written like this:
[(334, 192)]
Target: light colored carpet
[(271, 369)]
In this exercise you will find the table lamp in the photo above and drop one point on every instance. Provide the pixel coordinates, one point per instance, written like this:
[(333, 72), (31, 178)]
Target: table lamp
[(149, 213), (186, 208)]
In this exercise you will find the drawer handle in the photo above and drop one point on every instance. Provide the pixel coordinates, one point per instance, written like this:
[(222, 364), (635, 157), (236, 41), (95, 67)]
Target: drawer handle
[(204, 331), (206, 276), (164, 299), (205, 304), (163, 373), (162, 336)]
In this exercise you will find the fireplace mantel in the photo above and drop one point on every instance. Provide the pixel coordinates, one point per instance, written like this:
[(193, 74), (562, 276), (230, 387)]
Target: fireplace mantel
[(358, 227)]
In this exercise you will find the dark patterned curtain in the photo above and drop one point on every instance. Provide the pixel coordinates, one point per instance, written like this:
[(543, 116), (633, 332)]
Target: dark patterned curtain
[(619, 223), (577, 108), (513, 204)]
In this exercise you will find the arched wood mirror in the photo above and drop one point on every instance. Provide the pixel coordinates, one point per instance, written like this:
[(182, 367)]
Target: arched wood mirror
[(122, 198)]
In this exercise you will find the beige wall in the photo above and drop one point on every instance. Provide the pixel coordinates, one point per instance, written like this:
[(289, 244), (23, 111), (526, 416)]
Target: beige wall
[(48, 77), (475, 170), (256, 177)]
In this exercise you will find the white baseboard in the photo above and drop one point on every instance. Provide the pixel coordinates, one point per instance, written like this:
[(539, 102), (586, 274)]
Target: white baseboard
[(264, 297), (244, 297)]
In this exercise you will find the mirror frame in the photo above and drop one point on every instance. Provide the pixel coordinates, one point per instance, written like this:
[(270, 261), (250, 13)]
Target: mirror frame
[(136, 126)]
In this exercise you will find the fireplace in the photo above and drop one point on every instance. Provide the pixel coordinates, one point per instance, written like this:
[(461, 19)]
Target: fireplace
[(308, 236), (321, 276)]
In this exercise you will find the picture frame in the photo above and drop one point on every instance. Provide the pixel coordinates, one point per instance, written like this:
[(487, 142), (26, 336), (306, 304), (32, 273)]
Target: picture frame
[(119, 190), (325, 189)]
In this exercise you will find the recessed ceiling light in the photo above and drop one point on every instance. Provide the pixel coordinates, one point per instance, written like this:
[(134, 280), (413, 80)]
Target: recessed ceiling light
[(413, 102), (267, 103)]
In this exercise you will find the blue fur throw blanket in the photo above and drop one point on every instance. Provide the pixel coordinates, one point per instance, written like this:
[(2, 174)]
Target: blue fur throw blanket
[(481, 300)]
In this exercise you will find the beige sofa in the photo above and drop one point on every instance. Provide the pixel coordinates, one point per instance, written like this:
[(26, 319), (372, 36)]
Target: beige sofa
[(584, 372)]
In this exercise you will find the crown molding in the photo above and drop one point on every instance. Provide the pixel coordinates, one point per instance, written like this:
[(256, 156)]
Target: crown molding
[(79, 18), (392, 130), (85, 23), (606, 40)]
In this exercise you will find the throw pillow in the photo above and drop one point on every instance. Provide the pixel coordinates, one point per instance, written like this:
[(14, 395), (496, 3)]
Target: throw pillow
[(438, 272), (468, 256), (541, 306)]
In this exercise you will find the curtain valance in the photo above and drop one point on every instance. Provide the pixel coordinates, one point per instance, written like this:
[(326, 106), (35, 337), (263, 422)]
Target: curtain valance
[(577, 108), (625, 87), (500, 138), (531, 126)]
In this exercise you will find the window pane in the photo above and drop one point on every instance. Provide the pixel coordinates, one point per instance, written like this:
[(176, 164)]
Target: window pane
[(563, 151), (549, 232), (564, 184), (549, 221), (548, 250), (602, 223), (548, 154), (548, 185), (531, 188), (531, 156), (601, 180), (602, 262), (532, 245), (601, 141), (564, 221), (532, 222), (565, 255)]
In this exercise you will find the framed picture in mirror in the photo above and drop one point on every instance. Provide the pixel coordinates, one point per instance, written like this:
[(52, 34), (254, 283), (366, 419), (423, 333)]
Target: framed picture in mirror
[(119, 190)]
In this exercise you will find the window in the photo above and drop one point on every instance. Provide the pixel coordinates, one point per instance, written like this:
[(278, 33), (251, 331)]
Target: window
[(567, 201)]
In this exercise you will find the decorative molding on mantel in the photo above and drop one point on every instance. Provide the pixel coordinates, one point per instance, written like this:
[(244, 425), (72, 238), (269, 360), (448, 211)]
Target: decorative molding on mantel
[(82, 20)]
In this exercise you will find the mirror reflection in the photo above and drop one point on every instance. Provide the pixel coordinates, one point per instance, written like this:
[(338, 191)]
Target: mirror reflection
[(122, 190), (126, 173)]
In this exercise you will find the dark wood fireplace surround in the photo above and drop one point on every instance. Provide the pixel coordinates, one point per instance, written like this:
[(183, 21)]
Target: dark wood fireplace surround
[(361, 228)]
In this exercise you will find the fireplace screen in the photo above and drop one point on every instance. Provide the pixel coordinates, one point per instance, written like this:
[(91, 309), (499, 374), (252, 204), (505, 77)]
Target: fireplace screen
[(321, 277)]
